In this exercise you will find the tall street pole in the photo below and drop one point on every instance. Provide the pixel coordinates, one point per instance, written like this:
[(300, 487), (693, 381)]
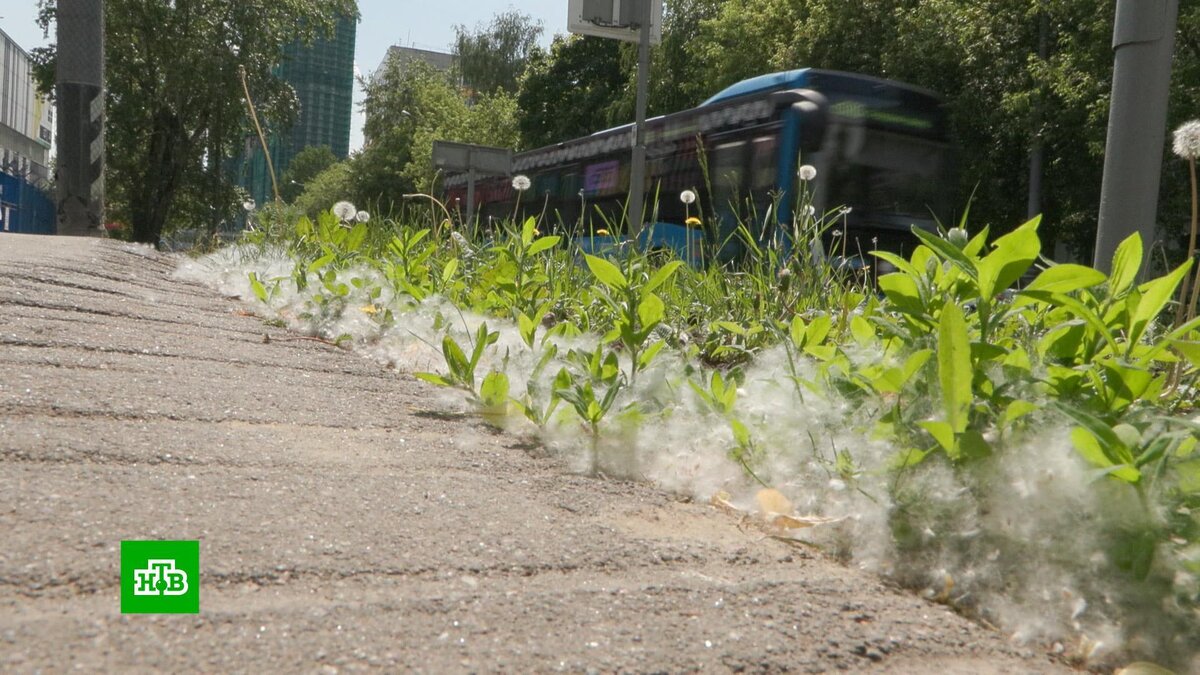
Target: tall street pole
[(637, 173), (1144, 40), (79, 89)]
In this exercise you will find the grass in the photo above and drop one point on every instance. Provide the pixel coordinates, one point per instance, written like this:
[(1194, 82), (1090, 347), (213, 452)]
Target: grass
[(1029, 443)]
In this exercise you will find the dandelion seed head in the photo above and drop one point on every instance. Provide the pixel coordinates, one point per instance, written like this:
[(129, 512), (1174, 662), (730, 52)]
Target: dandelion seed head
[(958, 236), (344, 211), (807, 172), (1187, 140), (837, 233), (520, 182), (687, 197), (362, 216), (249, 205)]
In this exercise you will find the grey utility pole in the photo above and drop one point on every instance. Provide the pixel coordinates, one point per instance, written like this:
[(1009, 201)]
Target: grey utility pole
[(79, 90), (1144, 40), (637, 172)]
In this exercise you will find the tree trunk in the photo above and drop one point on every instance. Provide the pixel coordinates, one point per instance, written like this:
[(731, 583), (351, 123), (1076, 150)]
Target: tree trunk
[(151, 203)]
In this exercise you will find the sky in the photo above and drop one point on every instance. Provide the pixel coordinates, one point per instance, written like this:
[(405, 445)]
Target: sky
[(425, 24)]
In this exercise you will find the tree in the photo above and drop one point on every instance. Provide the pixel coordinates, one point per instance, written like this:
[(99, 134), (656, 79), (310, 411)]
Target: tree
[(408, 106), (403, 99), (305, 166), (1016, 76), (334, 184), (493, 56), (174, 100), (572, 90)]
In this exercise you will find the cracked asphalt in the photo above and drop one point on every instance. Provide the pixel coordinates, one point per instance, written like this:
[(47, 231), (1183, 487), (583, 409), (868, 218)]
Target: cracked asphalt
[(346, 523)]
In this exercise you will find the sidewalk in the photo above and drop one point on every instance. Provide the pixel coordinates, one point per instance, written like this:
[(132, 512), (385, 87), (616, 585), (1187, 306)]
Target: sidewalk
[(346, 524)]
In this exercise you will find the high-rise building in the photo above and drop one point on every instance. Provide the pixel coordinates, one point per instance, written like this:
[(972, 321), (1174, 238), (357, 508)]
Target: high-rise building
[(323, 76), (26, 130), (403, 55)]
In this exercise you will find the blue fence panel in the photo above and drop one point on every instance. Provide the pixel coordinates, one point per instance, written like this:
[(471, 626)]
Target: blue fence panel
[(24, 208)]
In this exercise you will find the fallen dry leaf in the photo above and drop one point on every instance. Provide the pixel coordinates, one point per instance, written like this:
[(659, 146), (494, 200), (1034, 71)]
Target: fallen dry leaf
[(788, 522), (771, 501), (721, 501)]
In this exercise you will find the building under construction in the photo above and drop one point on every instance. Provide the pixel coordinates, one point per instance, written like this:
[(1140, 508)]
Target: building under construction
[(322, 75)]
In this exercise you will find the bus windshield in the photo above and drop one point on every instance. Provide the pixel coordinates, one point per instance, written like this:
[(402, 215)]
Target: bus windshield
[(884, 173)]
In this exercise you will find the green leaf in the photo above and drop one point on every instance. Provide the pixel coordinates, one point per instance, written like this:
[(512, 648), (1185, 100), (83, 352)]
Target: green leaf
[(1076, 307), (954, 367), (1189, 476), (543, 243), (1155, 295), (943, 433), (482, 340), (901, 290), (647, 356), (1067, 278), (456, 360), (730, 326), (260, 291), (972, 445), (899, 263), (1124, 384), (527, 328), (606, 272), (1012, 256), (434, 378), (1110, 445), (663, 274), (862, 330), (316, 265), (1167, 340), (650, 311), (527, 231), (1016, 410), (1126, 262), (1189, 350), (449, 270), (818, 330), (741, 435), (493, 391)]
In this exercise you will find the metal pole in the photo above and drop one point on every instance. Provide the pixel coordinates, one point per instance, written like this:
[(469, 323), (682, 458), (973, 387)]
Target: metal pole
[(471, 195), (79, 89), (637, 173), (1143, 39)]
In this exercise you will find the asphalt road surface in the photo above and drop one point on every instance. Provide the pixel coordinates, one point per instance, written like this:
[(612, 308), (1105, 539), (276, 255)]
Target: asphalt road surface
[(345, 523)]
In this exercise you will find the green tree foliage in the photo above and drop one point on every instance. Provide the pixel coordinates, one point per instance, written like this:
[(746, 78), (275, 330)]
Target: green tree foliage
[(174, 100), (1014, 73), (306, 165), (571, 90), (492, 57), (680, 64), (408, 106), (335, 183)]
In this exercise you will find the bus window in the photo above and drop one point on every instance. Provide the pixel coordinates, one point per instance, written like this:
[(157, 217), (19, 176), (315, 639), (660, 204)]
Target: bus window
[(889, 174), (728, 173), (763, 169)]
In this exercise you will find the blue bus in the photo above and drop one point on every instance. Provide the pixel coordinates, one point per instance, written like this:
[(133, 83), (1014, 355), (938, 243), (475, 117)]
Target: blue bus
[(880, 148)]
